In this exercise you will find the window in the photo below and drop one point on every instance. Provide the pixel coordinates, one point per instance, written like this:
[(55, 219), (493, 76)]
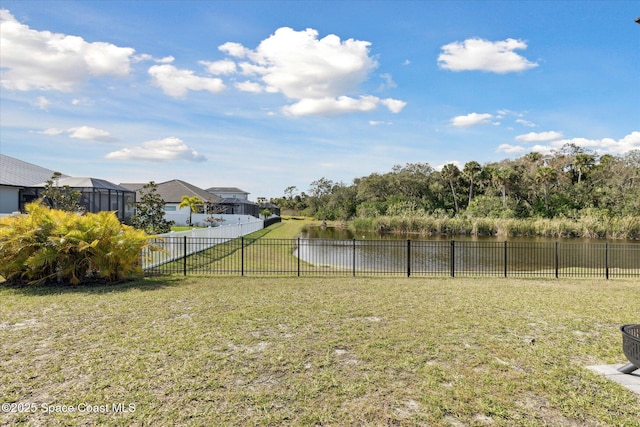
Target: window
[(169, 208)]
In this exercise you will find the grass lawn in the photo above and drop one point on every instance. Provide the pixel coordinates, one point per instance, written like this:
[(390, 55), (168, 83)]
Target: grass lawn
[(317, 351)]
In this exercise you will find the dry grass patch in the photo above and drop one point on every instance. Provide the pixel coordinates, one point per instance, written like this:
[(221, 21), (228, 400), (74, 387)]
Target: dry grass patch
[(319, 351)]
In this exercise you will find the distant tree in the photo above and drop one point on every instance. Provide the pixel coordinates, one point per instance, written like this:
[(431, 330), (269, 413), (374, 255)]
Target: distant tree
[(266, 213), (192, 203), (582, 163), (471, 171), (290, 191), (546, 176), (62, 198), (502, 177), (320, 191), (150, 211), (450, 173)]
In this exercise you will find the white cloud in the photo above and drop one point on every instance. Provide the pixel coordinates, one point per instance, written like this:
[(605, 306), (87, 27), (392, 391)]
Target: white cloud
[(42, 60), (249, 86), (608, 145), (87, 133), (42, 103), (510, 149), (456, 163), (234, 49), (175, 82), (484, 55), (378, 123), (539, 136), (51, 131), (542, 149), (301, 66), (526, 123), (629, 142), (162, 150), (601, 146), (331, 106), (388, 82), (471, 119), (225, 66), (394, 105), (320, 75), (341, 105), (147, 57)]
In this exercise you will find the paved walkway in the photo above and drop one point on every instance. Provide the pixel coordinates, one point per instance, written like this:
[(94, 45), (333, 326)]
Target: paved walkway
[(630, 381)]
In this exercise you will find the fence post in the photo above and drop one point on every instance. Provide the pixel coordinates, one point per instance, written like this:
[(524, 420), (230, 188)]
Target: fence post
[(505, 258), (353, 257), (299, 254), (408, 257), (453, 258), (606, 260), (242, 255), (184, 255), (556, 259)]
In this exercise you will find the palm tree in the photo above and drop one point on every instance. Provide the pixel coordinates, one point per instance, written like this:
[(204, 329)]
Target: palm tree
[(450, 172), (471, 170), (546, 176), (582, 162), (192, 203), (503, 176)]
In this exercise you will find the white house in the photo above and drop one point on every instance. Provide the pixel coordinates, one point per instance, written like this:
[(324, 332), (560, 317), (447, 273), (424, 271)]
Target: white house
[(171, 192)]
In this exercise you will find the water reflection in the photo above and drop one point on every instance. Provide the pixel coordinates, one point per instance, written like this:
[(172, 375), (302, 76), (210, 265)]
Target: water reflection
[(395, 253)]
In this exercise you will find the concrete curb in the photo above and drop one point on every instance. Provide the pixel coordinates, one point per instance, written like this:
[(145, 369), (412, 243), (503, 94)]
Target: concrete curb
[(630, 381)]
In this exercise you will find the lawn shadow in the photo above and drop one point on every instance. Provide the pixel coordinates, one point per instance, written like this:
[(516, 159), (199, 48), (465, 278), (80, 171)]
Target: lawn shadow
[(144, 284)]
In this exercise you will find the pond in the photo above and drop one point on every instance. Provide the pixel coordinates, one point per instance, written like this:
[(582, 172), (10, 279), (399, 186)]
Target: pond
[(396, 253)]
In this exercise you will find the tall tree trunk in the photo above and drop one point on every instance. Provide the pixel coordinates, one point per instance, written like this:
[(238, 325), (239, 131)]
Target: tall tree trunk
[(455, 199)]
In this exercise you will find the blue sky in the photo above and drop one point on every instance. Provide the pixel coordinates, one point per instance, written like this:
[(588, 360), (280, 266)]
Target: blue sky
[(263, 95)]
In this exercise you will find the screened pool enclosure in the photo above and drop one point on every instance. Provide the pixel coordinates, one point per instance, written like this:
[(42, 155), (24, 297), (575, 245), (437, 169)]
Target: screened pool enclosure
[(97, 195)]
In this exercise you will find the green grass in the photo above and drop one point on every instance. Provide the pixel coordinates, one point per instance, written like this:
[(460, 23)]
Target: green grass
[(227, 257), (319, 351)]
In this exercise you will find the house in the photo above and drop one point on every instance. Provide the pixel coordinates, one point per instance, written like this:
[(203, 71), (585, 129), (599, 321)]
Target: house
[(16, 179), (98, 195), (22, 182), (172, 191), (236, 201), (275, 210), (229, 193)]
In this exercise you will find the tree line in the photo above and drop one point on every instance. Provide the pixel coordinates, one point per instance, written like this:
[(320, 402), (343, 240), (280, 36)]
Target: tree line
[(569, 183)]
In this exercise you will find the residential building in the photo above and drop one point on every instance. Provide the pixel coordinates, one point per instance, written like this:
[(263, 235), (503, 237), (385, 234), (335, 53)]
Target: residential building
[(22, 182), (236, 201), (172, 192)]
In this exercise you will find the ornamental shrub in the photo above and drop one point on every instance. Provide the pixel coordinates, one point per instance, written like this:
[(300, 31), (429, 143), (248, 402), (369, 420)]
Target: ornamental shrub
[(48, 245)]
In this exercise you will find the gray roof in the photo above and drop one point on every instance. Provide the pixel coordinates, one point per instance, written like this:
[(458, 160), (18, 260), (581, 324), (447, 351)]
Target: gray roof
[(225, 190), (75, 182), (17, 173), (172, 191), (133, 186)]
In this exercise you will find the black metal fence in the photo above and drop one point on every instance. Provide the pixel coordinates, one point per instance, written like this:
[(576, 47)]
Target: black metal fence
[(246, 256)]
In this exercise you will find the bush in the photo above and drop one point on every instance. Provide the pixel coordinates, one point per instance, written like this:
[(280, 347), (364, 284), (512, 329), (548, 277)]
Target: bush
[(49, 245)]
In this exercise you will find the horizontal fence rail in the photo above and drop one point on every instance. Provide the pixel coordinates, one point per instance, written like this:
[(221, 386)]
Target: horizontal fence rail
[(246, 256), (200, 239)]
